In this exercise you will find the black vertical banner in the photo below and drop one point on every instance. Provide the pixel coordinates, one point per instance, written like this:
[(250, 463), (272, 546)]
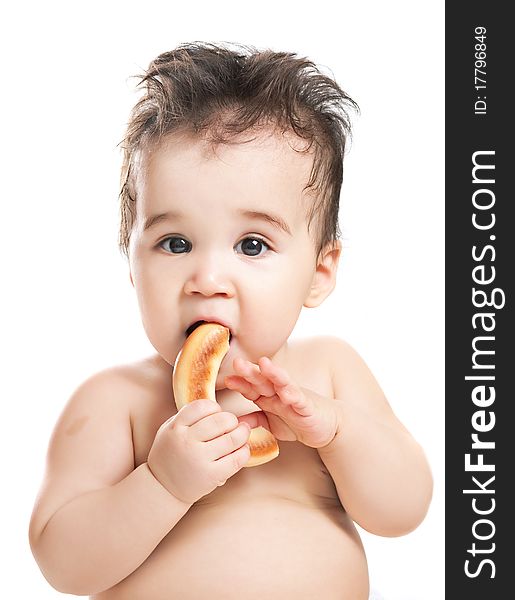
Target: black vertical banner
[(480, 270)]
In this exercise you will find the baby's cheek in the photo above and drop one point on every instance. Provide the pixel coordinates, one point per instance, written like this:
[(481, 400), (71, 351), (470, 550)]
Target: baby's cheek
[(271, 331), (160, 325)]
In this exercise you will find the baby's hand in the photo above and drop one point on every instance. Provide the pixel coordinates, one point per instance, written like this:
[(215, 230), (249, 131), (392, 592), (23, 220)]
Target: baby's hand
[(290, 412), (198, 449)]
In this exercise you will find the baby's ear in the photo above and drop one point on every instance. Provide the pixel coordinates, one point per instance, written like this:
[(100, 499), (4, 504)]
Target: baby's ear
[(324, 278)]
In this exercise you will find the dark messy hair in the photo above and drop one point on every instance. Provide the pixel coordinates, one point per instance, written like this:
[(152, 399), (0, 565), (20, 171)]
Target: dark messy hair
[(222, 90)]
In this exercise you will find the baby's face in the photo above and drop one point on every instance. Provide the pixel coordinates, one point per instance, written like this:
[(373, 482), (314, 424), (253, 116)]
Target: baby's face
[(223, 237)]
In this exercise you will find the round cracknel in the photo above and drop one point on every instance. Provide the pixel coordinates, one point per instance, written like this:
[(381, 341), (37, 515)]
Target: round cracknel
[(194, 326)]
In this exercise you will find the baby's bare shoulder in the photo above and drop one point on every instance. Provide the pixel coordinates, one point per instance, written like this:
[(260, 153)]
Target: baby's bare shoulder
[(97, 420), (322, 350), (311, 362), (349, 374), (120, 385), (98, 411)]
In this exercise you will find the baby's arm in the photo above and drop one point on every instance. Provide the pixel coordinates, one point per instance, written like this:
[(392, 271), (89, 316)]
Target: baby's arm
[(97, 518), (381, 473)]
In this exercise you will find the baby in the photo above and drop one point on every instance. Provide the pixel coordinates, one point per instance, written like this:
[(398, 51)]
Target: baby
[(230, 190)]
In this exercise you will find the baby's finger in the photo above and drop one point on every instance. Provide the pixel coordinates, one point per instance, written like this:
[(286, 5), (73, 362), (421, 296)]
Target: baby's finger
[(213, 426), (255, 419), (230, 464), (292, 395), (269, 403), (251, 373), (289, 393), (242, 386), (229, 442), (196, 410), (275, 374), (294, 399)]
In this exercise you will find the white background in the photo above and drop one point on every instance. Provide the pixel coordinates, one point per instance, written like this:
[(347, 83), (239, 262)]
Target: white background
[(68, 309)]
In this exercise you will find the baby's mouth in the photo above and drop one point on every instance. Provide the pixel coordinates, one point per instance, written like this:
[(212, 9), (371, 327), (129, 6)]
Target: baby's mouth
[(194, 326)]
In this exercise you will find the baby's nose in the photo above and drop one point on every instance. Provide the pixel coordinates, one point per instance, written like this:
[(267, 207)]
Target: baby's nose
[(209, 278)]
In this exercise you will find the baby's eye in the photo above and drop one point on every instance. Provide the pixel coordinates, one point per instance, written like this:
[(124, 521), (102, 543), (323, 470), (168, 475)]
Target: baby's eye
[(175, 245), (252, 246)]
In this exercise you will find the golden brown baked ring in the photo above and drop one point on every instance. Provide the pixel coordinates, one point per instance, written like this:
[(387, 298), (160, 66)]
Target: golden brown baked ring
[(194, 377)]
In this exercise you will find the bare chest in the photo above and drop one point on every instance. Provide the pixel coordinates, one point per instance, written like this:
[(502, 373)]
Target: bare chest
[(285, 512)]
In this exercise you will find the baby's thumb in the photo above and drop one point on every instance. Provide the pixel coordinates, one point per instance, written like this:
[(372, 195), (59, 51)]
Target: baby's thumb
[(255, 419)]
